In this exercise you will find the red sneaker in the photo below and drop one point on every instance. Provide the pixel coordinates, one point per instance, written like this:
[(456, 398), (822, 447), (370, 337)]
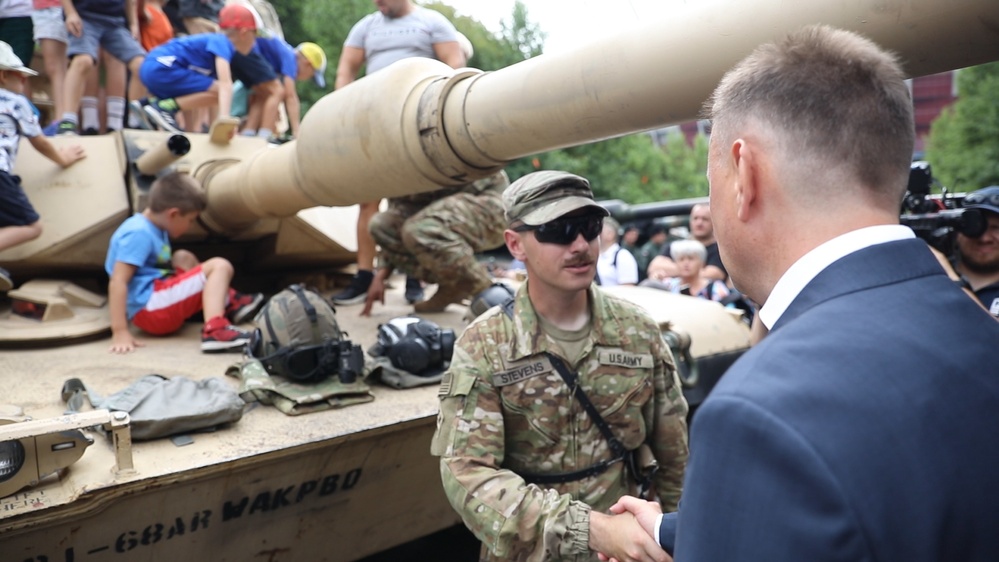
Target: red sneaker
[(219, 335), (242, 306)]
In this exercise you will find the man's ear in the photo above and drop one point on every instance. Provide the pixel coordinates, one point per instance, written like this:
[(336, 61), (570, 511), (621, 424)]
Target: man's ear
[(515, 244), (746, 160)]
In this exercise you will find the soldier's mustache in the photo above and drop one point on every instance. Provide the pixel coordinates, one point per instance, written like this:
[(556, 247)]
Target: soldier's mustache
[(578, 261)]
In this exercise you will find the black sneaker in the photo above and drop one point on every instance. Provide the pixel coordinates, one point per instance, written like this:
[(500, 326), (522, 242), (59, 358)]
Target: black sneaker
[(66, 128), (357, 291), (90, 132), (163, 119), (414, 290), (136, 110), (220, 335), (6, 281), (242, 307)]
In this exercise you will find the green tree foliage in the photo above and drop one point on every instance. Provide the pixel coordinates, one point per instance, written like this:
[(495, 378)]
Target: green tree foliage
[(520, 39), (963, 146), (685, 166), (631, 168), (521, 35), (326, 23)]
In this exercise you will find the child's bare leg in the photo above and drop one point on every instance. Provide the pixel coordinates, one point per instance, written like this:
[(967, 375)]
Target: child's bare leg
[(114, 92), (184, 260), (136, 89), (54, 53), (200, 99), (254, 106), (272, 92), (76, 77), (218, 275), (89, 114), (11, 236)]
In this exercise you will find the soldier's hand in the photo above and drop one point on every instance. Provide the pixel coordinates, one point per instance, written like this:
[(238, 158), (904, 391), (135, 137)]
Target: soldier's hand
[(623, 539), (376, 292), (646, 512)]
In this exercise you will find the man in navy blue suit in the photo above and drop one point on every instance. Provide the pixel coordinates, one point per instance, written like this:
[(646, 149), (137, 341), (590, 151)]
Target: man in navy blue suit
[(864, 426)]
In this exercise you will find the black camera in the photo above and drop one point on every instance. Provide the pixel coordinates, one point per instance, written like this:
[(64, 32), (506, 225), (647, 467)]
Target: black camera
[(415, 345), (936, 218)]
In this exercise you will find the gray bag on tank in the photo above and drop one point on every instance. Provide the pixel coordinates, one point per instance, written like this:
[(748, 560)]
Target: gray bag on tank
[(160, 407)]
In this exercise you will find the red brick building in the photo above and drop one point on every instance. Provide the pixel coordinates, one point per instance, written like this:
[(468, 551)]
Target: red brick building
[(930, 94)]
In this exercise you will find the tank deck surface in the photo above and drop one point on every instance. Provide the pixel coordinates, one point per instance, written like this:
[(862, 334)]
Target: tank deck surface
[(314, 487)]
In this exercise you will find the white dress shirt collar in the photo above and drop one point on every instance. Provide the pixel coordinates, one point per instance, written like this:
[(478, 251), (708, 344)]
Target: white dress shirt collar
[(811, 264)]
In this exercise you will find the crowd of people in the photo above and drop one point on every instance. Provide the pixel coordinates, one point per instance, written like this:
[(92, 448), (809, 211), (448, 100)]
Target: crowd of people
[(173, 65)]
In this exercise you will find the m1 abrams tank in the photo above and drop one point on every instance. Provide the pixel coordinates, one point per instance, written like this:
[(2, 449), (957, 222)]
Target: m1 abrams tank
[(341, 484)]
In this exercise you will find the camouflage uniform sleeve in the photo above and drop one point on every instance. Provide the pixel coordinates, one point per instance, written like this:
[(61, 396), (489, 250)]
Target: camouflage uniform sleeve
[(513, 519), (669, 431)]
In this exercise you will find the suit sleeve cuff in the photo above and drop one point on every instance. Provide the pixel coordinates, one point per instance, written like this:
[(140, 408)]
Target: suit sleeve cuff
[(666, 535)]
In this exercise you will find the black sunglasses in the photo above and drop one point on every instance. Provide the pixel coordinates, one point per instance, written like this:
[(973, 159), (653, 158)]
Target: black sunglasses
[(563, 231)]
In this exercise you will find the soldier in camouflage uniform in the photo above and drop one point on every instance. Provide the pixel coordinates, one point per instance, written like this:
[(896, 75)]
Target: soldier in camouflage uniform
[(510, 427), (433, 236)]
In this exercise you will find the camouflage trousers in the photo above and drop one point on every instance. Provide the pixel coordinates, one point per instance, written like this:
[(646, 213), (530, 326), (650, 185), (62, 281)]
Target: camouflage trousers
[(437, 242)]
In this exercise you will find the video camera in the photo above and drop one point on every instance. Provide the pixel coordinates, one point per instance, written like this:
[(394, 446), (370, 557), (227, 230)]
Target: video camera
[(937, 218)]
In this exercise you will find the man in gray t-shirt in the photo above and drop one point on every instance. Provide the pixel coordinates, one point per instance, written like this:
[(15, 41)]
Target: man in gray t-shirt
[(398, 30)]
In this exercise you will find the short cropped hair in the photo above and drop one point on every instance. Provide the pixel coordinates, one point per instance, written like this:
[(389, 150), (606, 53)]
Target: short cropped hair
[(837, 101), (690, 247), (176, 190)]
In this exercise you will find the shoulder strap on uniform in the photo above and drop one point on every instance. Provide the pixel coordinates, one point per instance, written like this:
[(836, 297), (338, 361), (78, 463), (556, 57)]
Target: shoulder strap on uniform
[(571, 379), (617, 448), (508, 307)]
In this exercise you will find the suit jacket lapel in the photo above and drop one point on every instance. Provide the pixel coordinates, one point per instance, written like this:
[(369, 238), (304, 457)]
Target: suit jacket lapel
[(875, 266)]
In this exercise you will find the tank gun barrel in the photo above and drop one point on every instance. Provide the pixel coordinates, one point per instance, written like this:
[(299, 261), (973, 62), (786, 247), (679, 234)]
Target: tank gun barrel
[(419, 125), (623, 212), (162, 155)]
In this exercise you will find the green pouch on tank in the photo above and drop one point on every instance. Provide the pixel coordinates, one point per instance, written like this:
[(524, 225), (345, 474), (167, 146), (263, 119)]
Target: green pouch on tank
[(294, 398)]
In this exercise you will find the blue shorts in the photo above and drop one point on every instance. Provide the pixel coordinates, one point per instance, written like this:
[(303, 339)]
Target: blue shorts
[(208, 9), (251, 69), (172, 81), (15, 209), (108, 32), (17, 32)]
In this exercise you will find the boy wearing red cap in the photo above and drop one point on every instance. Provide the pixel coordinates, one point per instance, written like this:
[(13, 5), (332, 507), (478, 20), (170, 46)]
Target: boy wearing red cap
[(194, 71)]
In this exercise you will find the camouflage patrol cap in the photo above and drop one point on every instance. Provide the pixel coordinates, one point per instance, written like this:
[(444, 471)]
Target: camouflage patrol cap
[(541, 197)]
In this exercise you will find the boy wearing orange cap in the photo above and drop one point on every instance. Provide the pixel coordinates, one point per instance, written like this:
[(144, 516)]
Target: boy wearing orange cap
[(194, 71)]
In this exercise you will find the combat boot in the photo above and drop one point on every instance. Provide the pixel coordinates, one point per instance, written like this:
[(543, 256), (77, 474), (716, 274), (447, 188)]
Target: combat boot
[(452, 291)]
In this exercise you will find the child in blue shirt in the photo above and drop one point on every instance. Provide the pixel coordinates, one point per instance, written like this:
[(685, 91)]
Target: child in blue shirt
[(157, 289), (271, 71), (19, 222), (194, 71)]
